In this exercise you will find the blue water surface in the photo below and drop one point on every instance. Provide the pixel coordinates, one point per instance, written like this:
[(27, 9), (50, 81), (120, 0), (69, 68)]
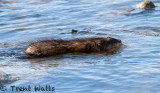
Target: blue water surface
[(135, 68)]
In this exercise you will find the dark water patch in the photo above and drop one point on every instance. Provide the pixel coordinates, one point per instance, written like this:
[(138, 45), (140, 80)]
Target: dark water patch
[(19, 29), (148, 29), (143, 33), (42, 2), (3, 24), (25, 16), (11, 50), (143, 13), (6, 2)]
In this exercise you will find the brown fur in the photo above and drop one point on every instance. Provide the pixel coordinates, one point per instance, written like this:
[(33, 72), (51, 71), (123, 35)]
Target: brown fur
[(55, 47)]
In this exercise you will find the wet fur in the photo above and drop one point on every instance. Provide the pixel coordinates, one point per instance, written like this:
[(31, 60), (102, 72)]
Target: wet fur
[(55, 47)]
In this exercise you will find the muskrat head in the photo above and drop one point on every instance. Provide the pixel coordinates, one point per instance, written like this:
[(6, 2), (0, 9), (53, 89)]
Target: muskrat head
[(108, 43), (102, 44), (146, 5)]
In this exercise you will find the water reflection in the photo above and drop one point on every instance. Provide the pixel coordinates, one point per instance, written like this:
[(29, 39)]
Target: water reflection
[(6, 2), (43, 1), (148, 29), (6, 78)]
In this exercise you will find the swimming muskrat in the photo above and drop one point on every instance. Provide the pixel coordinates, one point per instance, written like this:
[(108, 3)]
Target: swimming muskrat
[(55, 47), (146, 4)]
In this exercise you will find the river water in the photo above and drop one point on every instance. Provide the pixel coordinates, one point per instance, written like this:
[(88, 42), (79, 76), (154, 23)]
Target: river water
[(135, 68)]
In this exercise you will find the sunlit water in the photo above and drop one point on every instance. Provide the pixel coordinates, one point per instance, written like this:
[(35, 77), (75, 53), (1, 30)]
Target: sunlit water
[(133, 69)]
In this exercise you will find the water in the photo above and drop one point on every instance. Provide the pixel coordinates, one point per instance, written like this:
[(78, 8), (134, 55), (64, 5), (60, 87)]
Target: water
[(133, 69)]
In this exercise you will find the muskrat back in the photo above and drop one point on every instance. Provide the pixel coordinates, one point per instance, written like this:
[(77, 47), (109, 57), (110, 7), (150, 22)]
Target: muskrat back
[(55, 47)]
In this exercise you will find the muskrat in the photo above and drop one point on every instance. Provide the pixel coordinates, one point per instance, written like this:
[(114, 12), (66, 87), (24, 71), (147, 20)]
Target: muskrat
[(55, 47), (146, 4)]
